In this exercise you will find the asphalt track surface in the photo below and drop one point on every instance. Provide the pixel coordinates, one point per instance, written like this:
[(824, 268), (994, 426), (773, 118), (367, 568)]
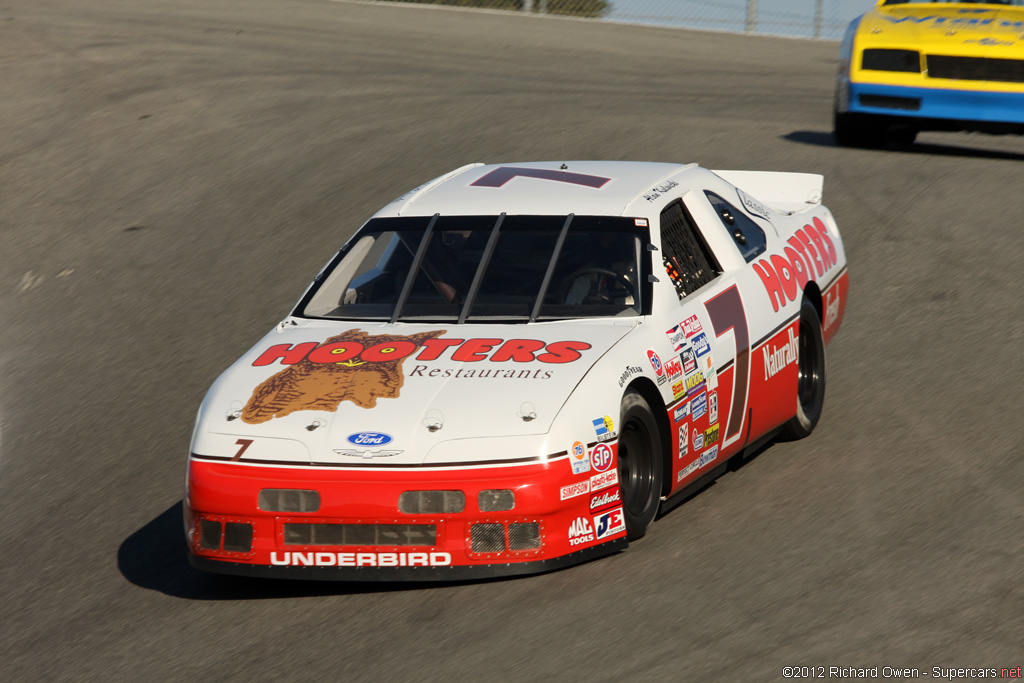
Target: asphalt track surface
[(173, 174)]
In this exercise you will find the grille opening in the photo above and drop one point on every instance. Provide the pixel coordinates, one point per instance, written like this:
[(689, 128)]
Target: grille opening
[(209, 534), (496, 500), (431, 502), (237, 537), (360, 534), (288, 500), (976, 68), (523, 536), (488, 538), (908, 61), (890, 102)]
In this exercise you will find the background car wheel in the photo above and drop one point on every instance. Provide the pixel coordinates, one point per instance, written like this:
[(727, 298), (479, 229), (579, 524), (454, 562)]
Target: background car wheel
[(640, 467), (810, 391), (854, 130)]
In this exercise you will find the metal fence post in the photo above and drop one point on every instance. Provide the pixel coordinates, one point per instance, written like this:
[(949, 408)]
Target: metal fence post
[(751, 16), (817, 18), (527, 5)]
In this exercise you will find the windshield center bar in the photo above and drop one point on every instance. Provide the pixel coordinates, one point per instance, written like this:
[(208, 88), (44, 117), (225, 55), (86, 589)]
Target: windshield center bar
[(414, 269), (551, 269), (485, 258)]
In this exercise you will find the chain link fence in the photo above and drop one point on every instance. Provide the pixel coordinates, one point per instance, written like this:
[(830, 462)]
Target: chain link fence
[(823, 19)]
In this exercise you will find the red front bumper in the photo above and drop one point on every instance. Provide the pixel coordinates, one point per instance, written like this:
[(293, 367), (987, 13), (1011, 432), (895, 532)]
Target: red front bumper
[(359, 532)]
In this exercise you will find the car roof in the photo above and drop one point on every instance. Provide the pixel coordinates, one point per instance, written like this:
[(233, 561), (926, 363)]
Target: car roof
[(596, 188)]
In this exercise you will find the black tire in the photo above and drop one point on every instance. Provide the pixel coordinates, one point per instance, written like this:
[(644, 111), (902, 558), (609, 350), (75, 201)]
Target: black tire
[(810, 390), (639, 463), (857, 130)]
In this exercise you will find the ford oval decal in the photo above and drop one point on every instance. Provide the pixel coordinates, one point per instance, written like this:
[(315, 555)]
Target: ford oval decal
[(369, 439)]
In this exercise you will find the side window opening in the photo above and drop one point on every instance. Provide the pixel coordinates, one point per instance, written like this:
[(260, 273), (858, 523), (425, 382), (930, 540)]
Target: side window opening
[(746, 234), (688, 261)]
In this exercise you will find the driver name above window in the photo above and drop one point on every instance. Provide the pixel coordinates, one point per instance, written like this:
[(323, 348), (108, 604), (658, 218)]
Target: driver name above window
[(486, 268)]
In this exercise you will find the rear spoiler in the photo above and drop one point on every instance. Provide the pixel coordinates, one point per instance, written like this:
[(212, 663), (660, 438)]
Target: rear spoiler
[(783, 192)]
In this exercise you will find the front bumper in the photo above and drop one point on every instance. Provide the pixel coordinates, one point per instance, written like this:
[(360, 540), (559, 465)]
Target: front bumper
[(938, 108), (358, 531)]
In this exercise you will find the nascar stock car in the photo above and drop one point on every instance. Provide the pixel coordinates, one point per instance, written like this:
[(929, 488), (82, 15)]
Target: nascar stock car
[(909, 66), (513, 368)]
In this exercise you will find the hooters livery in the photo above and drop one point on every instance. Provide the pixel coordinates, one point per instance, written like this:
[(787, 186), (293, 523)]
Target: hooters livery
[(513, 368), (909, 65)]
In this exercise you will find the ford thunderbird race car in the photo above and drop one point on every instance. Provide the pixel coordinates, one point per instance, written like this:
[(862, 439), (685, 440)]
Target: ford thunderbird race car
[(909, 66), (513, 368)]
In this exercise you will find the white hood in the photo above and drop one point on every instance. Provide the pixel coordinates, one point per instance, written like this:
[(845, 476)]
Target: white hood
[(379, 394)]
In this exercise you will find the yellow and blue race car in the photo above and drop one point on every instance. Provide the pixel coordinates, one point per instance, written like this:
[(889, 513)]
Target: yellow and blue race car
[(909, 66)]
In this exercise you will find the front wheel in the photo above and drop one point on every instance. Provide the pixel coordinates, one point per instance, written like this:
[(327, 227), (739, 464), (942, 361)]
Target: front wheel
[(640, 466), (810, 389)]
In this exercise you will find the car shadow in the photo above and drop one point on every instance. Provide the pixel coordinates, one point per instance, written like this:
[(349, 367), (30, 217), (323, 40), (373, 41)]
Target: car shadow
[(154, 558), (820, 139)]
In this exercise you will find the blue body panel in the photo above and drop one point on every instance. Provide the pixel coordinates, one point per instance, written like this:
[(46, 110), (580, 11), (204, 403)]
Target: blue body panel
[(955, 105)]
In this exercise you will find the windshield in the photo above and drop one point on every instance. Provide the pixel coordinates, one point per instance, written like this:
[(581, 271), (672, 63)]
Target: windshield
[(486, 269), (954, 2)]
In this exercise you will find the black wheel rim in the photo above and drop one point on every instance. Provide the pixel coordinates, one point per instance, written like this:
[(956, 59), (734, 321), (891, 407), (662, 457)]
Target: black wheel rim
[(809, 383), (636, 473)]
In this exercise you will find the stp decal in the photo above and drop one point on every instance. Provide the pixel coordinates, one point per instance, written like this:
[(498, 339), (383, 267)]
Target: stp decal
[(601, 457)]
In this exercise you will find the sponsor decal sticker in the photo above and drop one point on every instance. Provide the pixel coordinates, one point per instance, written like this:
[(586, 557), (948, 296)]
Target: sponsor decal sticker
[(578, 458), (701, 345), (682, 412), (691, 326), (687, 471), (708, 456), (369, 439), (610, 523), (699, 406), (709, 372), (688, 359), (694, 383), (678, 390), (580, 531), (831, 308), (676, 337), (698, 440), (810, 254), (712, 406), (684, 434), (754, 207), (601, 457), (711, 435), (604, 480), (359, 367), (605, 499), (629, 372), (655, 362), (776, 359), (674, 369), (577, 489), (323, 559), (603, 425)]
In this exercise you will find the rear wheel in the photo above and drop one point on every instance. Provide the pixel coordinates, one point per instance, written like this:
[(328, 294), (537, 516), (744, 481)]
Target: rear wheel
[(640, 467), (810, 390), (857, 130)]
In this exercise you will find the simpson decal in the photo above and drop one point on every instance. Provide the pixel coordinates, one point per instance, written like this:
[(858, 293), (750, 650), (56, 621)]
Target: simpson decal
[(573, 490)]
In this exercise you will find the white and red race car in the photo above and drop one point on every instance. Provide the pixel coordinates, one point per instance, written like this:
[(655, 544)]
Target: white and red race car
[(512, 368)]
